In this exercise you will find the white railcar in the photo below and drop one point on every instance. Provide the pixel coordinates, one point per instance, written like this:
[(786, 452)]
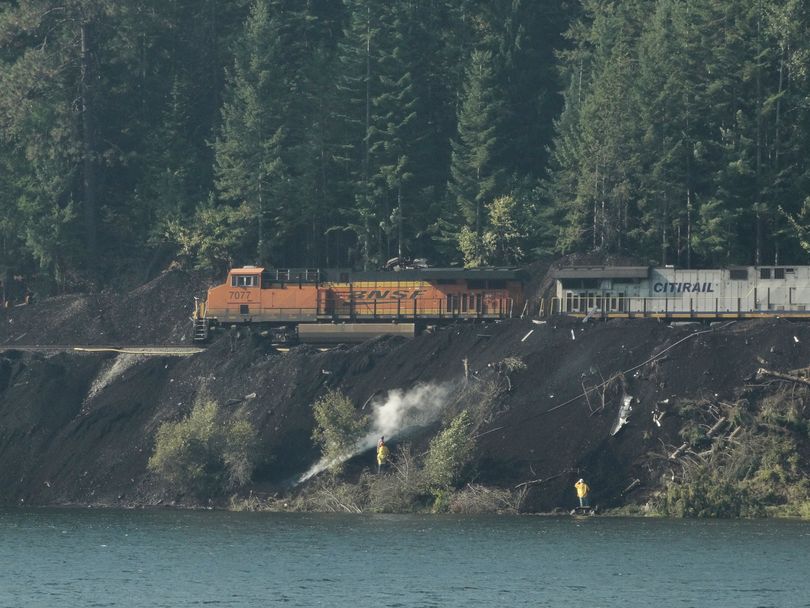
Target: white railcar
[(675, 293)]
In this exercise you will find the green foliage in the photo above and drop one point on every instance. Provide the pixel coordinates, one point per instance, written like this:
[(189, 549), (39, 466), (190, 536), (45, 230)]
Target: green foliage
[(210, 240), (672, 142), (475, 248), (450, 453), (502, 241), (476, 174), (344, 133), (800, 224), (338, 427), (705, 495), (204, 453), (762, 472)]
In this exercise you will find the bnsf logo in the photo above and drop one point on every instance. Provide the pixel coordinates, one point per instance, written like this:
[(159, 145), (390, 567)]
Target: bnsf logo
[(378, 294)]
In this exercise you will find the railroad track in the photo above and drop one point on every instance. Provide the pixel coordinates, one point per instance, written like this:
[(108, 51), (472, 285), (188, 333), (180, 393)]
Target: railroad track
[(147, 351)]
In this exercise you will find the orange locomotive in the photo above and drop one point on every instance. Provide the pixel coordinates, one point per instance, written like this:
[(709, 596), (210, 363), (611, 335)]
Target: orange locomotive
[(343, 305)]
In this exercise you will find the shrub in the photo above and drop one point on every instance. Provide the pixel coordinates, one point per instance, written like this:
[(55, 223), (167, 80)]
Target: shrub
[(328, 495), (705, 494), (239, 451), (480, 499), (450, 452), (513, 364), (400, 490), (202, 454), (338, 428)]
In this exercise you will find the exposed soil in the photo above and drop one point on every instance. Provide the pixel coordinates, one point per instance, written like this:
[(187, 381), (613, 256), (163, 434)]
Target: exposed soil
[(79, 428), (155, 313)]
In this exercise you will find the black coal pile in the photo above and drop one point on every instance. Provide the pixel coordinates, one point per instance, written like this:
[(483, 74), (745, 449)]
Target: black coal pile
[(157, 312), (595, 400)]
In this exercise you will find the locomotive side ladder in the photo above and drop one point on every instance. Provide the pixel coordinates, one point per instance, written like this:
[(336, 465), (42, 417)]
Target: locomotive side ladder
[(201, 324)]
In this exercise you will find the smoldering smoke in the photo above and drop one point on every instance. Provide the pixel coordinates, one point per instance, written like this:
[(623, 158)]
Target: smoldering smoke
[(395, 415)]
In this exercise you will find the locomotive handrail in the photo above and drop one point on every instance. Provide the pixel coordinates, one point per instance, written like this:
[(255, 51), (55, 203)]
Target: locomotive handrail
[(493, 308), (698, 304)]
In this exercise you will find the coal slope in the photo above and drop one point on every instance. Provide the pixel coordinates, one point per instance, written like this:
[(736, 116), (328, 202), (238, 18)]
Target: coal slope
[(78, 429), (155, 313)]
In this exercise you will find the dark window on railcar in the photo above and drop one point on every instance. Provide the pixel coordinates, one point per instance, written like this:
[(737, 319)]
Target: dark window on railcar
[(497, 284), (764, 273), (476, 284), (778, 273), (580, 283), (738, 274), (243, 280), (244, 309)]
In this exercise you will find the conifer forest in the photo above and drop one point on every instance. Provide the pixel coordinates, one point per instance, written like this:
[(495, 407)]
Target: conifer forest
[(335, 133)]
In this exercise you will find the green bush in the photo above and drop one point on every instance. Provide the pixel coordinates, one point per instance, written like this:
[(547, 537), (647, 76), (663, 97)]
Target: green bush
[(203, 454), (400, 490), (338, 428), (450, 452), (704, 495)]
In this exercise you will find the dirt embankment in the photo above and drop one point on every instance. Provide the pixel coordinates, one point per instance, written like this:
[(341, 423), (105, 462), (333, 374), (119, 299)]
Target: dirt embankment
[(155, 313), (79, 428)]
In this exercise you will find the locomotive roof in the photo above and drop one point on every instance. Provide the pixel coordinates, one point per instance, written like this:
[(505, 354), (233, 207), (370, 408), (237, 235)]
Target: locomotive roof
[(422, 274), (603, 272), (414, 274)]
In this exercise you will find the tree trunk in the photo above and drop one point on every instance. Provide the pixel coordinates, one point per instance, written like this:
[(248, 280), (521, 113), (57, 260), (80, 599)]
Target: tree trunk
[(758, 176), (399, 222), (366, 144), (89, 181), (260, 222), (689, 228)]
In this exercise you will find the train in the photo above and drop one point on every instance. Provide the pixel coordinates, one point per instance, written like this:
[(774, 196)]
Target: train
[(344, 305), (676, 294)]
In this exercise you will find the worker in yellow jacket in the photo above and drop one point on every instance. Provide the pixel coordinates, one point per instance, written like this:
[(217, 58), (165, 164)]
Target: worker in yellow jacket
[(382, 454), (582, 493)]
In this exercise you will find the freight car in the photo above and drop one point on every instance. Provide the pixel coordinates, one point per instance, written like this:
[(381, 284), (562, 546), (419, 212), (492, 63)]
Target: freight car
[(342, 305), (669, 293)]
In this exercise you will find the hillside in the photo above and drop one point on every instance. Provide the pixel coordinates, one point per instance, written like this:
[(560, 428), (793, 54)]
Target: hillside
[(79, 428)]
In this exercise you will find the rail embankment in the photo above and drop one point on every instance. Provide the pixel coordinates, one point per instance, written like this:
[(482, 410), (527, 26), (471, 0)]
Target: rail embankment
[(681, 420)]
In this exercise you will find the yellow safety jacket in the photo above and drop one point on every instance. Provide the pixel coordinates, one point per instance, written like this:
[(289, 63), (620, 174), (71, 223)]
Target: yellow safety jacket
[(382, 453), (582, 489)]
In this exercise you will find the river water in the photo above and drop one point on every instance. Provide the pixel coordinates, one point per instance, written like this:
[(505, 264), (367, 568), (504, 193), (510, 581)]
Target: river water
[(53, 558)]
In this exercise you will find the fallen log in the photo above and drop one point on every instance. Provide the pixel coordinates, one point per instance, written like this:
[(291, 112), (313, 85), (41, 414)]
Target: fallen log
[(632, 486), (678, 452), (533, 482), (767, 372), (716, 426)]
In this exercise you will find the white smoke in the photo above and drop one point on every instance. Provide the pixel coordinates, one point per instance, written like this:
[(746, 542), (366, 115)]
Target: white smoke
[(395, 415), (113, 370)]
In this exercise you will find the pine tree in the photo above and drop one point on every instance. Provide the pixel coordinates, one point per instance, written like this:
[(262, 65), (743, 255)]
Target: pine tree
[(476, 175), (48, 95), (250, 168)]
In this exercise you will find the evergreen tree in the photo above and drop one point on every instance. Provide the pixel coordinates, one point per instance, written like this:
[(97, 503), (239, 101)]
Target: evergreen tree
[(48, 97), (476, 175), (252, 170)]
